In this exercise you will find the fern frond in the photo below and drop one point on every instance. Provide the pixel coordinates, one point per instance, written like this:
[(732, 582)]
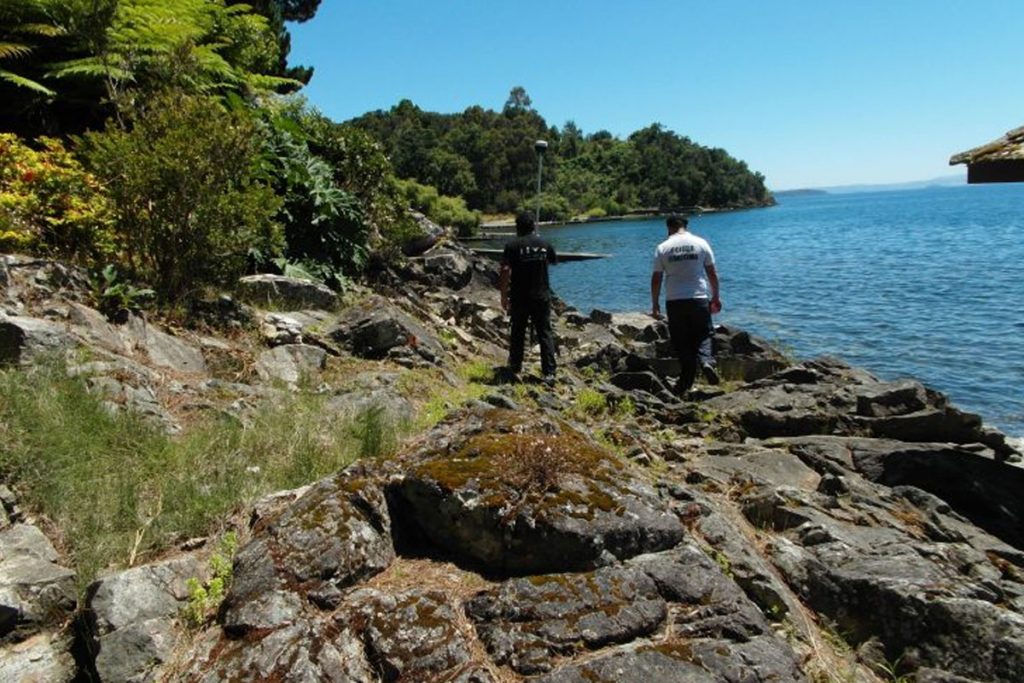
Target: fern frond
[(265, 83), (38, 29), (14, 50), (88, 67), (26, 83)]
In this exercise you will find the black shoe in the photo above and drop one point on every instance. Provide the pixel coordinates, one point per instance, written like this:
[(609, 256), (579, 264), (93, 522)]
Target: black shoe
[(508, 375), (548, 380), (710, 375)]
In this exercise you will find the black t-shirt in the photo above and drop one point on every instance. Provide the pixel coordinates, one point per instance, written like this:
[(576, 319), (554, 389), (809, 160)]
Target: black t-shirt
[(528, 257)]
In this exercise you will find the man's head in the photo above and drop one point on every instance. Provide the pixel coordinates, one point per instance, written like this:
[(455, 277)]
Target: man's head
[(524, 224), (675, 223)]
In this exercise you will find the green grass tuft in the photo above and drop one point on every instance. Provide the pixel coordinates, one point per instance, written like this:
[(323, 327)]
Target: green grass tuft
[(118, 489), (590, 402)]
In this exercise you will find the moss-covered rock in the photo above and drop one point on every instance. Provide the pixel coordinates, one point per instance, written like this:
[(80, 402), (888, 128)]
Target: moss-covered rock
[(307, 652), (528, 622), (335, 535), (410, 635), (519, 493)]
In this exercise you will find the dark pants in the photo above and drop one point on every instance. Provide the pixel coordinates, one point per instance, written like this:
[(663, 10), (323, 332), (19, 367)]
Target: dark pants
[(538, 312), (689, 325)]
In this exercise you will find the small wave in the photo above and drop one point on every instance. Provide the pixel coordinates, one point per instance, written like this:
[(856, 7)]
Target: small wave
[(1016, 443)]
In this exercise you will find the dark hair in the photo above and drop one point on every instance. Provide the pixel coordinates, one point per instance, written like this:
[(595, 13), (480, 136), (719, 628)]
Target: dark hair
[(524, 224), (675, 222)]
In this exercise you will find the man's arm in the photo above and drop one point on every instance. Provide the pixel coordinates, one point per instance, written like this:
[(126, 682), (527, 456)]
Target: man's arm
[(503, 279), (716, 302), (656, 294)]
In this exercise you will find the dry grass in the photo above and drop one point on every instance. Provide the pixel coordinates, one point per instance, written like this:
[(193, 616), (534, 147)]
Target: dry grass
[(406, 574), (538, 464)]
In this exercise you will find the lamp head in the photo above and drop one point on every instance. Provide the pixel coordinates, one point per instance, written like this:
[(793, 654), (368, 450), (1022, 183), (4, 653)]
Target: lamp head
[(541, 146)]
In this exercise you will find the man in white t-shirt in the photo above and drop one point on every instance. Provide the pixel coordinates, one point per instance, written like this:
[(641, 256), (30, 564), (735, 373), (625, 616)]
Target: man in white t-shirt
[(685, 264)]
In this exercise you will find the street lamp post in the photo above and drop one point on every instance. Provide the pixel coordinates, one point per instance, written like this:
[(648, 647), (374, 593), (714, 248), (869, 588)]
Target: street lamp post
[(541, 146)]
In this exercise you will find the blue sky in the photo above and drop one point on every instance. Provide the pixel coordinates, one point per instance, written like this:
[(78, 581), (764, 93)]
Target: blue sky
[(811, 93)]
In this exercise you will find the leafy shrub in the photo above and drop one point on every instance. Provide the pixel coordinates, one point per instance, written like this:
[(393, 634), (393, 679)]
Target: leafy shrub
[(452, 211), (117, 296), (360, 167), (553, 207), (324, 226), (205, 599), (189, 200), (446, 211), (49, 205)]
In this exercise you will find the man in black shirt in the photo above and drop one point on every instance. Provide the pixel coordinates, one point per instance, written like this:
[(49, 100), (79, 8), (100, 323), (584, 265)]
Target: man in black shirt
[(526, 294)]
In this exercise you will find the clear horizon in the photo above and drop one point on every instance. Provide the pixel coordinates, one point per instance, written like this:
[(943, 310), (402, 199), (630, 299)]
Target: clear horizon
[(810, 95)]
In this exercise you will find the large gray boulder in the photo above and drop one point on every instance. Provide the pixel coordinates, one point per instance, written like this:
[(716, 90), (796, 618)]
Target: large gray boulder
[(136, 338), (375, 329), (285, 293), (23, 339), (29, 279), (36, 593), (441, 267), (743, 356), (826, 396), (527, 623), (132, 617), (979, 488), (307, 652), (291, 363), (42, 658), (335, 535), (706, 603), (522, 493), (872, 586), (164, 350)]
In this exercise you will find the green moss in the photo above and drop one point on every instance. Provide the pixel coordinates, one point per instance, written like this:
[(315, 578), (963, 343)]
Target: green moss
[(517, 465)]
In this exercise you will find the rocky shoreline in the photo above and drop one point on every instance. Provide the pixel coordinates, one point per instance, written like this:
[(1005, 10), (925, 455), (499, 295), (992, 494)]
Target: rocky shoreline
[(806, 521)]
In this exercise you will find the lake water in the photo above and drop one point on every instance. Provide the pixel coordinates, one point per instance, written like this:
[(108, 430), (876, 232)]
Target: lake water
[(920, 283)]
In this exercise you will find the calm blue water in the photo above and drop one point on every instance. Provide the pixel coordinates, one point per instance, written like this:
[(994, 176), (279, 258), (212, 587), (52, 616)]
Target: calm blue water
[(921, 283)]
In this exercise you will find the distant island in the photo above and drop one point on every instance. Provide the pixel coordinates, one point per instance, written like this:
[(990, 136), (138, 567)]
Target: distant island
[(944, 181), (802, 192)]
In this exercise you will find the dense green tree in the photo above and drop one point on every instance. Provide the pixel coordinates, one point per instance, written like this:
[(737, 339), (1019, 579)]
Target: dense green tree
[(570, 139), (517, 100), (277, 13), (88, 58)]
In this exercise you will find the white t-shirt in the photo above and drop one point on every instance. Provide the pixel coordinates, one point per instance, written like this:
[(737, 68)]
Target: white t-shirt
[(683, 258)]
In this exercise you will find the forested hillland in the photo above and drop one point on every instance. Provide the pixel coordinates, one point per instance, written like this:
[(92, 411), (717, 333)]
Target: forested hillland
[(488, 157)]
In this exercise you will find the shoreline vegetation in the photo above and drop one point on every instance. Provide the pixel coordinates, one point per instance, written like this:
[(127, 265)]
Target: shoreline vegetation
[(509, 221)]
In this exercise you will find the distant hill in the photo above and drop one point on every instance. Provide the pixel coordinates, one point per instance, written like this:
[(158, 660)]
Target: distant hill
[(944, 181), (803, 192)]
